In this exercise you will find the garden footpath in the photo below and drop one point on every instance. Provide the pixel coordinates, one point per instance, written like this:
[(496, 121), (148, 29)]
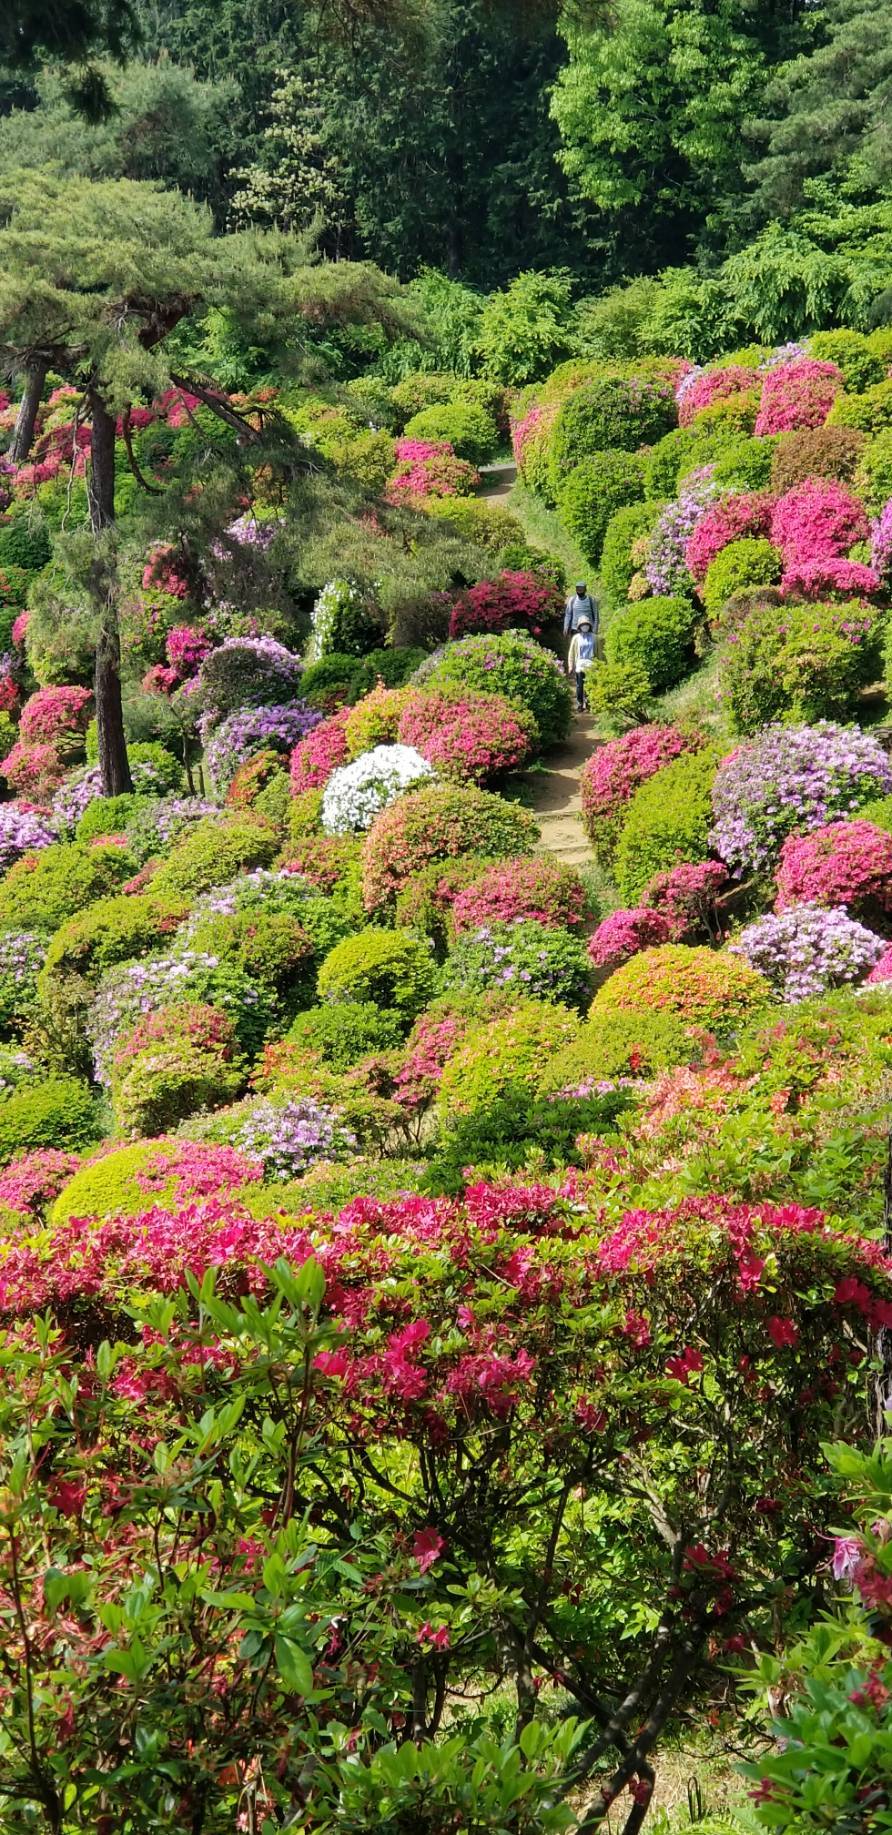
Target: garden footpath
[(554, 795)]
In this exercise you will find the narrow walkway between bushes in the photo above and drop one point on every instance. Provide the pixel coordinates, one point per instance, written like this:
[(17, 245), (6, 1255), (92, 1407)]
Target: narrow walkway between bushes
[(553, 794), (497, 481)]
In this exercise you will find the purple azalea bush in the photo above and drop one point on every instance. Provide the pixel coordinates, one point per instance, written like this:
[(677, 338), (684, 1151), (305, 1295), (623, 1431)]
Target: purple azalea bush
[(251, 730), (881, 542), (807, 950), (288, 1136), (665, 566), (22, 831), (789, 780)]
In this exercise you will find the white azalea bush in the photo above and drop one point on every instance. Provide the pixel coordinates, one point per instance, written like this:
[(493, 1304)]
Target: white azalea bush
[(357, 792)]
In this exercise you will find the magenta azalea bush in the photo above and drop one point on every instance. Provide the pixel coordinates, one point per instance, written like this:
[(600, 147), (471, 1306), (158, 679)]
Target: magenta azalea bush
[(817, 521), (746, 514), (473, 738), (827, 578), (319, 754), (844, 863), (512, 601), (54, 715), (537, 887), (797, 394), (430, 468), (624, 933), (613, 773), (700, 389)]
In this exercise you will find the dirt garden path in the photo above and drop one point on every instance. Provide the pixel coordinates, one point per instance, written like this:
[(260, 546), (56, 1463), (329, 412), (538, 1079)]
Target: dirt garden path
[(497, 481), (553, 795)]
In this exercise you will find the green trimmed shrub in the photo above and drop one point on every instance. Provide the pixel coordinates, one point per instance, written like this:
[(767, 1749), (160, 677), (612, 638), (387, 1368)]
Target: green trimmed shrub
[(815, 452), (467, 427), (752, 561), (614, 413), (390, 968), (621, 1044), (797, 662), (487, 525), (41, 890), (108, 815), (655, 636), (335, 681), (869, 411), (873, 478), (622, 555), (502, 1053), (342, 1032), (851, 351), (439, 823), (133, 1179), (619, 696), (58, 1112), (117, 929), (214, 853), (425, 902), (271, 947), (592, 494), (510, 664), (422, 389), (180, 1059), (746, 466), (667, 823), (24, 542), (703, 988), (665, 462), (522, 956)]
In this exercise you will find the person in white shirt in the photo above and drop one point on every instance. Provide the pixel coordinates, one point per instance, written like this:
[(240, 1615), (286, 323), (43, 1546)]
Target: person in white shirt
[(581, 658)]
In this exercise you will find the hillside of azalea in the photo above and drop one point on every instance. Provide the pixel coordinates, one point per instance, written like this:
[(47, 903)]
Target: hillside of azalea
[(446, 1292)]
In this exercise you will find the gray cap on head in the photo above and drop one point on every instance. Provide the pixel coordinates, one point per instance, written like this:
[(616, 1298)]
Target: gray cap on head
[(580, 588)]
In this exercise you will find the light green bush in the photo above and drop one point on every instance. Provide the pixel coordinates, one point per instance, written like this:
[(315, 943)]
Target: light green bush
[(655, 636), (622, 554), (59, 1112), (214, 853), (752, 561), (41, 890), (391, 969), (592, 494), (467, 427), (667, 822)]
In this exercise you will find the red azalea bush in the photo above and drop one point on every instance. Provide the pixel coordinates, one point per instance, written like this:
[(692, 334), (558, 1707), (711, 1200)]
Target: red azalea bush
[(319, 754), (537, 886), (823, 579), (430, 468), (845, 863), (512, 601), (711, 386), (33, 771), (470, 737), (817, 521), (797, 394), (746, 514), (613, 773), (55, 714), (435, 1036), (622, 934), (442, 1335)]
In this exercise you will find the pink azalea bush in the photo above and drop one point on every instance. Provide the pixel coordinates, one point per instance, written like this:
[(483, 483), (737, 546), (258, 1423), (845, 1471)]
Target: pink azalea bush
[(882, 970), (469, 737), (686, 897), (515, 600), (430, 468), (823, 579), (844, 863), (162, 572), (710, 386), (536, 887), (186, 649), (613, 773), (33, 1182), (623, 933), (320, 753), (746, 514), (53, 714), (816, 521), (33, 771), (797, 394)]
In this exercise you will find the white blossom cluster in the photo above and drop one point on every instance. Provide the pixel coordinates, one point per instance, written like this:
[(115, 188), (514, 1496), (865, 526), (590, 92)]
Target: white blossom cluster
[(355, 793)]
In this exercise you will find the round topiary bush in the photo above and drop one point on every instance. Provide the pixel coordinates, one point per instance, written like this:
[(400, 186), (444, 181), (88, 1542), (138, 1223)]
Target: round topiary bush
[(373, 721), (136, 1178), (612, 413), (463, 425), (815, 452), (214, 853), (21, 956), (521, 955), (655, 636), (746, 563), (745, 465), (516, 600), (59, 1112), (357, 792), (613, 773), (870, 411), (247, 672), (501, 1053), (847, 864), (790, 780), (473, 738), (439, 823), (43, 889), (111, 930), (269, 947), (593, 492), (809, 662), (634, 1043), (345, 1031), (625, 546), (390, 968), (667, 822), (712, 990), (108, 815), (176, 1060), (807, 950), (538, 887), (511, 664)]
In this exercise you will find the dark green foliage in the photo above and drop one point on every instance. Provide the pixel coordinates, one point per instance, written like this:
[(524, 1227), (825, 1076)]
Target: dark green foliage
[(24, 543), (59, 1112), (614, 413), (655, 636), (501, 1133), (592, 494), (667, 460)]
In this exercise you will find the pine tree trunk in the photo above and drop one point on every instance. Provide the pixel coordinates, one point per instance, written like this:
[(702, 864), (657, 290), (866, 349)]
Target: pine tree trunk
[(113, 762), (26, 419)]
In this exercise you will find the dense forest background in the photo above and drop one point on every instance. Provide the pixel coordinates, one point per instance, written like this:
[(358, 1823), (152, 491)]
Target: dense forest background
[(740, 150)]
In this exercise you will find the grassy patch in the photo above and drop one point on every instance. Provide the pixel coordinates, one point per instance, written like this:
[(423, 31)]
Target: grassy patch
[(545, 530)]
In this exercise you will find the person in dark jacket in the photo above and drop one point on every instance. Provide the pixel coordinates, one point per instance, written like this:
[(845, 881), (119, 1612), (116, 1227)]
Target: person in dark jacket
[(580, 605)]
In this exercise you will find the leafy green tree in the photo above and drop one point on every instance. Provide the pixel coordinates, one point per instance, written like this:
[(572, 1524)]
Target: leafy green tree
[(525, 330), (828, 106), (74, 33)]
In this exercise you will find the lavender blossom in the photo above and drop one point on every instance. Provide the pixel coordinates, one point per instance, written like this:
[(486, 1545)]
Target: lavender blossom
[(665, 565), (252, 730), (807, 950), (789, 780), (22, 831)]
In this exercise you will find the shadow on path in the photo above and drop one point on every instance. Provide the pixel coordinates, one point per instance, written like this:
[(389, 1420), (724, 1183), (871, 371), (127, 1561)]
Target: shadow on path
[(553, 794)]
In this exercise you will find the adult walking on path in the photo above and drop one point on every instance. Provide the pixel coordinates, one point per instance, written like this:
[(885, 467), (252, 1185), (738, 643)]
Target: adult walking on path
[(581, 605)]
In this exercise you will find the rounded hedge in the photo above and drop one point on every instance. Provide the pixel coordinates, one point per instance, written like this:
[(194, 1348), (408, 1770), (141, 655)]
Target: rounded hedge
[(656, 636), (59, 1112), (345, 1031), (704, 988), (623, 552), (116, 929), (473, 738), (391, 969), (591, 494), (213, 853), (464, 425), (667, 822), (510, 664), (522, 956), (504, 1052), (43, 889), (165, 1172), (633, 1043), (752, 561), (613, 413), (439, 823)]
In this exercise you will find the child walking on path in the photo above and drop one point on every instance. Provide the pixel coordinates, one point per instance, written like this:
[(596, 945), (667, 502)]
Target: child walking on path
[(581, 658)]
